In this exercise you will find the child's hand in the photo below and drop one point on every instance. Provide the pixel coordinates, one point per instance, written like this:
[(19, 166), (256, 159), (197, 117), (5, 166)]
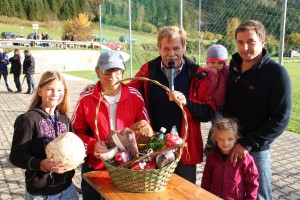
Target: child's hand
[(48, 164), (214, 70)]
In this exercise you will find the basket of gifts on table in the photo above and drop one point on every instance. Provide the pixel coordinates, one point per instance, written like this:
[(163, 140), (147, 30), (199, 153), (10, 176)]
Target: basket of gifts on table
[(138, 159)]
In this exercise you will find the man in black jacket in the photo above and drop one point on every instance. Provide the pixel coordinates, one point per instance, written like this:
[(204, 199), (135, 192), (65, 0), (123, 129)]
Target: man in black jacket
[(258, 94), (28, 70), (16, 68)]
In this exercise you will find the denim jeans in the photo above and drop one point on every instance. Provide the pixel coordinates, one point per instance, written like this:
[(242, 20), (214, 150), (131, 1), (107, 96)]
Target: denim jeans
[(263, 164), (68, 194), (30, 82), (88, 192)]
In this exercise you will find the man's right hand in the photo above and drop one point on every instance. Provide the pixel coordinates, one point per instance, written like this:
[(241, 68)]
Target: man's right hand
[(238, 152)]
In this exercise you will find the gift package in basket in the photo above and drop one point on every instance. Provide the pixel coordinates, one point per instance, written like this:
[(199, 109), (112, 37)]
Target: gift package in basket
[(139, 160)]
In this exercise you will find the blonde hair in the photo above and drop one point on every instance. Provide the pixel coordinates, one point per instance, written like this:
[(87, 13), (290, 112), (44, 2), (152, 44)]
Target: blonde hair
[(171, 32), (46, 78), (225, 124)]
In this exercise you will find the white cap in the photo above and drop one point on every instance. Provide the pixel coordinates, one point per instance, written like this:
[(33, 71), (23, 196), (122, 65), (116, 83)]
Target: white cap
[(163, 129)]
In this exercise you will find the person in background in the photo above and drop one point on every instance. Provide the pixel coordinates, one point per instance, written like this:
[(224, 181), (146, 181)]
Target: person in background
[(217, 68), (45, 120), (121, 107), (258, 94), (219, 176), (28, 70), (192, 89), (3, 68), (73, 38), (16, 69), (67, 37)]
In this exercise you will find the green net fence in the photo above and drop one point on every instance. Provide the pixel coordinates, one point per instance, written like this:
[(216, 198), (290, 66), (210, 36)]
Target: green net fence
[(207, 22)]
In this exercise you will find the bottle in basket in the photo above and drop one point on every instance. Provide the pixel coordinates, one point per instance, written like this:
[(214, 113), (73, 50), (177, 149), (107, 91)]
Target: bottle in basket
[(157, 141)]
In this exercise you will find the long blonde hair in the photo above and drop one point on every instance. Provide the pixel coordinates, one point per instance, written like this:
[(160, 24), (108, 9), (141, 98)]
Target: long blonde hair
[(46, 78)]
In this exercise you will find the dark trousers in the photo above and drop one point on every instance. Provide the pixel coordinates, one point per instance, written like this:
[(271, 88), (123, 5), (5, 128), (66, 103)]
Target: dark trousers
[(4, 74), (17, 82), (187, 172), (88, 192)]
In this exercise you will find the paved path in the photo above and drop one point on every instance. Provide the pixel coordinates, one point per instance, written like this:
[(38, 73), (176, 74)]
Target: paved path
[(285, 152)]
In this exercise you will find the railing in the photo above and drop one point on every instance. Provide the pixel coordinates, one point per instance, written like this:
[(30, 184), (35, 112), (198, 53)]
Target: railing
[(6, 43)]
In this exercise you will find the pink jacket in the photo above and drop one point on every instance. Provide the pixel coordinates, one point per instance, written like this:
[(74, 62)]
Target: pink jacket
[(218, 85), (130, 109), (228, 182)]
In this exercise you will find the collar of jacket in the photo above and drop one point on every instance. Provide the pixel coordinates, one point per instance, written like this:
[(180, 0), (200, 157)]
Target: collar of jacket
[(237, 60)]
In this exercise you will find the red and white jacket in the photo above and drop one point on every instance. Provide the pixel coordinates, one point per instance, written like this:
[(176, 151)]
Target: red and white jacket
[(131, 108)]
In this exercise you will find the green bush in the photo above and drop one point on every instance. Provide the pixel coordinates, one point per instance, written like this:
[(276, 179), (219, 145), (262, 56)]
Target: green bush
[(149, 28)]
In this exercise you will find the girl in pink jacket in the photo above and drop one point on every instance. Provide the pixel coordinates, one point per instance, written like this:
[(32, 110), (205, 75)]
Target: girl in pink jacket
[(217, 69), (219, 176)]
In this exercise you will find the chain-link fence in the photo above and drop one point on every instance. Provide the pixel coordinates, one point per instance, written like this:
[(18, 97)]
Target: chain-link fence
[(208, 22)]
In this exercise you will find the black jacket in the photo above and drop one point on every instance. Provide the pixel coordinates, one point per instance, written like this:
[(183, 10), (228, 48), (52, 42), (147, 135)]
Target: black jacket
[(33, 131), (28, 65), (16, 66), (260, 98)]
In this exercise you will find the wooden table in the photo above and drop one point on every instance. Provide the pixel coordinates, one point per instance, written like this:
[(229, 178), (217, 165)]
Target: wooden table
[(177, 189)]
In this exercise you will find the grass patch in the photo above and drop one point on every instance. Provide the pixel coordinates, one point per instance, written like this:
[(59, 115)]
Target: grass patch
[(294, 72)]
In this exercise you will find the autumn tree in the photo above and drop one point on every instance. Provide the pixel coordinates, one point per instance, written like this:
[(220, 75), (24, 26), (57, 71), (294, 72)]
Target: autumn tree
[(81, 26), (293, 40), (232, 24)]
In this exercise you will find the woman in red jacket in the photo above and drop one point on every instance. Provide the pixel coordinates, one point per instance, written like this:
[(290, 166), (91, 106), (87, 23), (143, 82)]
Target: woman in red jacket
[(219, 176), (121, 107)]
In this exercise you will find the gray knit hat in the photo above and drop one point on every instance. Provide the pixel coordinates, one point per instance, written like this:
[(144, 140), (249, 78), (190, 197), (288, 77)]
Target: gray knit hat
[(216, 52), (110, 59)]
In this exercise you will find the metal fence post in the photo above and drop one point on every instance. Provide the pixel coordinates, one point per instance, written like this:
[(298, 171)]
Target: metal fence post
[(130, 37), (282, 31), (100, 27)]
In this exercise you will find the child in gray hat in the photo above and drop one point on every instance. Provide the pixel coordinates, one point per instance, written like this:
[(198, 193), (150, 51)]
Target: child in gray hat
[(217, 69)]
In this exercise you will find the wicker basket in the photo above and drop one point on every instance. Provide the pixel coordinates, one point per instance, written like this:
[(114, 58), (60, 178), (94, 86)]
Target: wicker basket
[(154, 180)]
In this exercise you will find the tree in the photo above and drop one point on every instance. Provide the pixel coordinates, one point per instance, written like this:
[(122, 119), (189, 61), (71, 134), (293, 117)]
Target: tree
[(81, 26), (294, 40), (232, 24)]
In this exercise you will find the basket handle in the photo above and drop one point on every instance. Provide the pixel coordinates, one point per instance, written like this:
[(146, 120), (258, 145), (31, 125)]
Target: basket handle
[(157, 83)]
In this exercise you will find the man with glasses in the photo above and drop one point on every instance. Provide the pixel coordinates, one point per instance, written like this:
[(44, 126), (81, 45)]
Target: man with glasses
[(121, 107)]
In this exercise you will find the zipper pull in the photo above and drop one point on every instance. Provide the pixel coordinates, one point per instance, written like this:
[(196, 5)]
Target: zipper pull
[(51, 174)]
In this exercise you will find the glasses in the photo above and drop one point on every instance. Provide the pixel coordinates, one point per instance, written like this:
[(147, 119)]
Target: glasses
[(117, 71)]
